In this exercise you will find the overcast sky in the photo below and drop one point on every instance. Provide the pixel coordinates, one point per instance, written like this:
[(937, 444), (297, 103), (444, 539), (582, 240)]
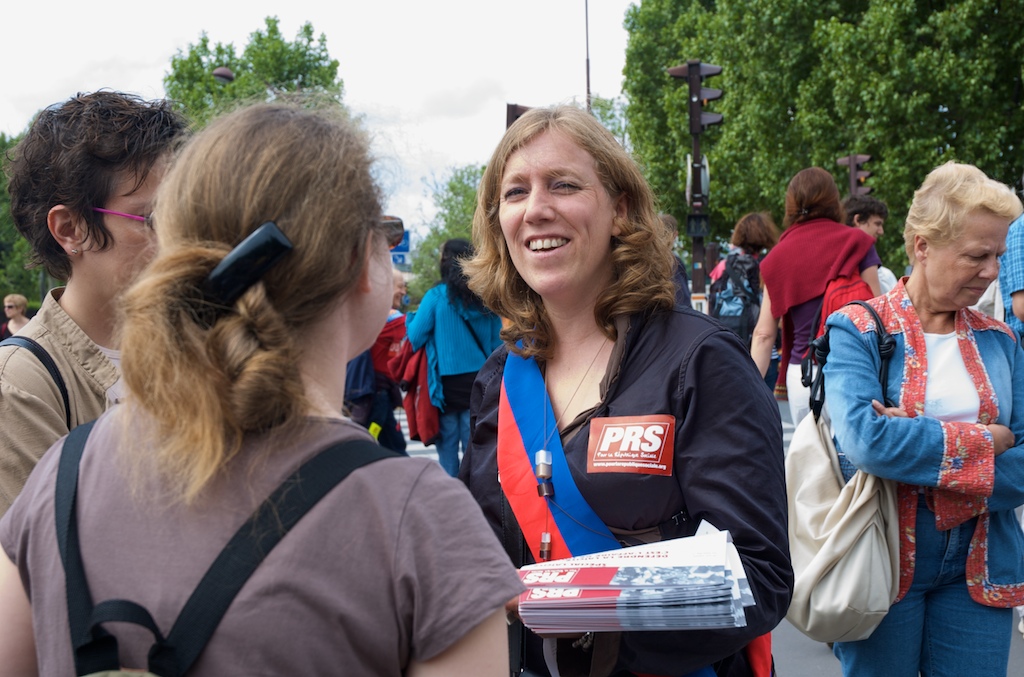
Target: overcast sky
[(431, 78)]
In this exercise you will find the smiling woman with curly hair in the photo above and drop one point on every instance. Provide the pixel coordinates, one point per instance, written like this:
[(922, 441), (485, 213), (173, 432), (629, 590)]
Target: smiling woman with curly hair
[(571, 251)]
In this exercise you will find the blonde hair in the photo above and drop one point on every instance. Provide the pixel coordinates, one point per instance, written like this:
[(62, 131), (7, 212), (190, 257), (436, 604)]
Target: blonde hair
[(206, 386), (19, 301), (642, 258), (948, 195)]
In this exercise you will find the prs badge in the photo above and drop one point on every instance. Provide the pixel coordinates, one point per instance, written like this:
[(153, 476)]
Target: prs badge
[(632, 444)]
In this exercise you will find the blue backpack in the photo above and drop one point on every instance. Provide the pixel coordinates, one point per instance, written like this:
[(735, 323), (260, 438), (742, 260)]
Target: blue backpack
[(733, 302)]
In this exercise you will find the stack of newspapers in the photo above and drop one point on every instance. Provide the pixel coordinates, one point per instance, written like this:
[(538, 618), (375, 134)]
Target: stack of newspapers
[(680, 584)]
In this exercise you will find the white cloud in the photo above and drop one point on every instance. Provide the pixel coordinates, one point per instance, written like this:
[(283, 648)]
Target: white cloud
[(430, 78)]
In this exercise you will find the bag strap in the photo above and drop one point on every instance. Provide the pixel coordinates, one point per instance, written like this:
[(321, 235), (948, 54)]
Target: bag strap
[(476, 340), (96, 650), (51, 366), (820, 349)]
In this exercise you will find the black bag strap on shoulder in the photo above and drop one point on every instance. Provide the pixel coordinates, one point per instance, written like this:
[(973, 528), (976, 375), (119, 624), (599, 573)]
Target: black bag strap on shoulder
[(96, 650), (51, 366), (820, 349), (476, 339)]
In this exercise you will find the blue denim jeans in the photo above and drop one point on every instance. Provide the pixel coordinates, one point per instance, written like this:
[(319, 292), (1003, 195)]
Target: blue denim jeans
[(454, 431), (936, 628)]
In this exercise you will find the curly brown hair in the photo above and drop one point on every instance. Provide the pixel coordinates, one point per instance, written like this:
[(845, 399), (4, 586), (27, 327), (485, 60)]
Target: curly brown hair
[(75, 153), (642, 257)]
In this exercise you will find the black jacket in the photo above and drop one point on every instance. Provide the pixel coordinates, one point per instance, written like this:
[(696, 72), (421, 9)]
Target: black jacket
[(728, 470)]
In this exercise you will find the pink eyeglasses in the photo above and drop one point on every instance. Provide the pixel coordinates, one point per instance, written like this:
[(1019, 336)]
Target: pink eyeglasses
[(133, 217)]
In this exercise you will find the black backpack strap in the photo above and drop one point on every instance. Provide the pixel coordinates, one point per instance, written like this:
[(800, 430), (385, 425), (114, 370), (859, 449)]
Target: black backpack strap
[(51, 366), (820, 348), (96, 650)]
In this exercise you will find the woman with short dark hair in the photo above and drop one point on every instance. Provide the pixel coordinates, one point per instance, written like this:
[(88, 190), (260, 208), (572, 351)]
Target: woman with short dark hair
[(82, 183)]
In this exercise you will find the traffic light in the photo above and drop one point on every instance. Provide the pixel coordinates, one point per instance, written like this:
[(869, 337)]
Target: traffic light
[(857, 175), (694, 72)]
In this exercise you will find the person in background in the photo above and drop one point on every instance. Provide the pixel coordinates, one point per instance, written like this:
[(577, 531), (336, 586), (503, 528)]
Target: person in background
[(682, 281), (1011, 276), (226, 396), (387, 396), (15, 309), (81, 183), (739, 285), (869, 214), (952, 438), (814, 249), (459, 333), (1008, 292), (400, 299), (572, 252)]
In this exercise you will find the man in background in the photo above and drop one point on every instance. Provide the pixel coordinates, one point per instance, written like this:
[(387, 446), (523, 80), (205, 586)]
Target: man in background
[(869, 214), (1011, 276)]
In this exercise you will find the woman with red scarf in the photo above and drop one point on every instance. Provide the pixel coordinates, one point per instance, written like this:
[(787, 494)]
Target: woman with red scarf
[(815, 248)]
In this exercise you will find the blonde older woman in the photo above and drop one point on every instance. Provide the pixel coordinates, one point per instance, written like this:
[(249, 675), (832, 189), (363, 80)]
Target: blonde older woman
[(952, 439), (15, 307)]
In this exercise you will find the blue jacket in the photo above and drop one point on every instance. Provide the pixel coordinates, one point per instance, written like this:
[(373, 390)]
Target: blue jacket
[(448, 330), (953, 462)]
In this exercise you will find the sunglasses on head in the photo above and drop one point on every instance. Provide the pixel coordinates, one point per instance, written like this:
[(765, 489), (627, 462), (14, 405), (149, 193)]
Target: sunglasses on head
[(394, 230)]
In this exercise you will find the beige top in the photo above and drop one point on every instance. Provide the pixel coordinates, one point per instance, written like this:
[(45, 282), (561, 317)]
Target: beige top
[(32, 415)]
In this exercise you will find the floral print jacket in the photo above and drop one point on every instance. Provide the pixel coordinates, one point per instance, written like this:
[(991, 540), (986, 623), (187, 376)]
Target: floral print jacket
[(952, 463)]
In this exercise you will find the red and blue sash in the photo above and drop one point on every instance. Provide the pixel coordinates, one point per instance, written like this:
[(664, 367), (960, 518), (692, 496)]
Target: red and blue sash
[(526, 424)]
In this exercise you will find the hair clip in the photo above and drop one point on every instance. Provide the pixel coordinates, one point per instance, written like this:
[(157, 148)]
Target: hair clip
[(244, 266)]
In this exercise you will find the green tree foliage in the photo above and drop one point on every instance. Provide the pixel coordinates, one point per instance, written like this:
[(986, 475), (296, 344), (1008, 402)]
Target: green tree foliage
[(612, 114), (912, 84), (268, 68), (454, 196), (14, 250)]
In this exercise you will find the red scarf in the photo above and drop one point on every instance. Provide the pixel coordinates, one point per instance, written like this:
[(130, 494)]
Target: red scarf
[(808, 256)]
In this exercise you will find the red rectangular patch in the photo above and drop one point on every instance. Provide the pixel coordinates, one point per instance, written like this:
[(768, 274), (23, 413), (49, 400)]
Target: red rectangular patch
[(632, 444)]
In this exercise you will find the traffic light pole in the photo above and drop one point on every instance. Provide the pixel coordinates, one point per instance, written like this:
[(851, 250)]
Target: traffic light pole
[(858, 175), (697, 221), (697, 204)]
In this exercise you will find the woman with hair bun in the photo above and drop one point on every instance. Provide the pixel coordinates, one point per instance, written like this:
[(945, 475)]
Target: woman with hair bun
[(273, 271)]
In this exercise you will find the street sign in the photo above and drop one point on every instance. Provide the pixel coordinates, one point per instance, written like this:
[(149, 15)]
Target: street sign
[(399, 258), (403, 246), (698, 225)]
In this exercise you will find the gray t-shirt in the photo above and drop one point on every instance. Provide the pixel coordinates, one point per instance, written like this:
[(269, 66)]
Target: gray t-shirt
[(394, 564)]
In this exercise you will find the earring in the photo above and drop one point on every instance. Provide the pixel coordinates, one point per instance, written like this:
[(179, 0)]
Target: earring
[(74, 251)]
